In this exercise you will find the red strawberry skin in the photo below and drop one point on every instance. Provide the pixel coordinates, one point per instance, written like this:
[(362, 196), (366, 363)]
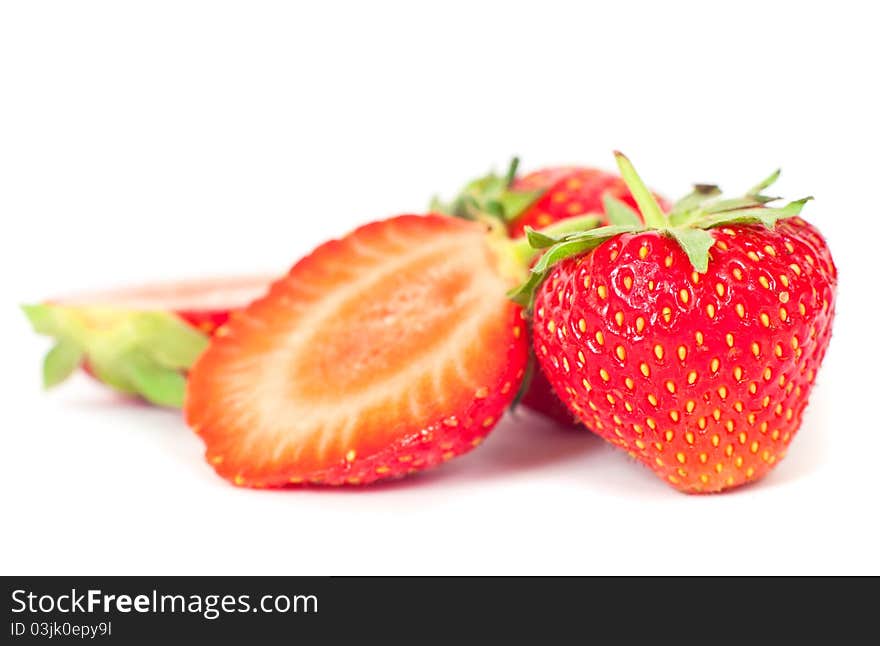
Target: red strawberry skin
[(568, 191), (702, 377), (540, 397), (205, 320), (381, 354)]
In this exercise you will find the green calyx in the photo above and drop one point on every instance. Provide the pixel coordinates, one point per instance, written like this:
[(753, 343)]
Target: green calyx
[(689, 223), (514, 255), (142, 353), (523, 249), (490, 200), (489, 197)]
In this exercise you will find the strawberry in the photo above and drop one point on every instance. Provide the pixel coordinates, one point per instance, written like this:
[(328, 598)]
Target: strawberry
[(384, 353), (539, 198), (565, 192), (691, 340), (538, 396), (141, 340), (536, 200)]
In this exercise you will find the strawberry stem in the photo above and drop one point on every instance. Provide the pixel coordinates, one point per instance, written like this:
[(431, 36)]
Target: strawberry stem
[(651, 211)]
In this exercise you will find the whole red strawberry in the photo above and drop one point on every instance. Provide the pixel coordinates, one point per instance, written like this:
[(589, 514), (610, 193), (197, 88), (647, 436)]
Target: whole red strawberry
[(537, 200), (141, 340), (691, 340)]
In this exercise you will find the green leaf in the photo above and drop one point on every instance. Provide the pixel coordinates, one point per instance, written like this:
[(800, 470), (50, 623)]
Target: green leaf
[(758, 188), (758, 215), (42, 318), (510, 175), (601, 234), (736, 203), (169, 339), (700, 194), (155, 383), (619, 212), (60, 362), (694, 207), (539, 240), (651, 211), (524, 249), (110, 370), (491, 207), (696, 244)]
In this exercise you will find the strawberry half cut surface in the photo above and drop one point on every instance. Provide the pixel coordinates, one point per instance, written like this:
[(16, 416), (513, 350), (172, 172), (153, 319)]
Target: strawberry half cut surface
[(141, 340), (378, 355)]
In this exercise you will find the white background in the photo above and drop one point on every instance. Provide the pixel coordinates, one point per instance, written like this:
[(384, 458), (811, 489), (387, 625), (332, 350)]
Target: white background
[(153, 140)]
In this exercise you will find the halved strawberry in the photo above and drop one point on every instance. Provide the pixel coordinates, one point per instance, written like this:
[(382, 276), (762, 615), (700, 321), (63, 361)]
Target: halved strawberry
[(139, 340), (380, 354)]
